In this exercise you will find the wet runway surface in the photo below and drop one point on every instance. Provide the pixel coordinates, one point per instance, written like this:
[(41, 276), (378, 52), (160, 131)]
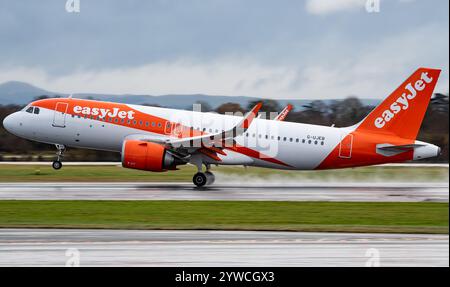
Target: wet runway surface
[(326, 191), (57, 247)]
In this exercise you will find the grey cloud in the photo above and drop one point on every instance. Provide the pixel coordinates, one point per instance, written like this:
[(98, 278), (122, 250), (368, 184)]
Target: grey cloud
[(114, 34)]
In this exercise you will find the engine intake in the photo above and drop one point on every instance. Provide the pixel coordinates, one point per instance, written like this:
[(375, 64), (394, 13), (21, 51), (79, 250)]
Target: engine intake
[(147, 156)]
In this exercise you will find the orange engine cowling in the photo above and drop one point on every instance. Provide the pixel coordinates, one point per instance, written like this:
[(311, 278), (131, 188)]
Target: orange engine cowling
[(147, 156)]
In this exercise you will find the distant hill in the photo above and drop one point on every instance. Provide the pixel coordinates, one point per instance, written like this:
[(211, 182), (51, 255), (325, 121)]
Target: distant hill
[(20, 93)]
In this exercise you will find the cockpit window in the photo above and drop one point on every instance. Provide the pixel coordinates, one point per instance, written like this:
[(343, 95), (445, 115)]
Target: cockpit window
[(36, 110), (29, 110)]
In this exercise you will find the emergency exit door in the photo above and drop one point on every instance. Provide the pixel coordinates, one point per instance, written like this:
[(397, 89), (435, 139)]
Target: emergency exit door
[(345, 148)]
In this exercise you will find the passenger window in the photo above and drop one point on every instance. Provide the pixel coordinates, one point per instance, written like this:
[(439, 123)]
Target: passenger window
[(29, 110)]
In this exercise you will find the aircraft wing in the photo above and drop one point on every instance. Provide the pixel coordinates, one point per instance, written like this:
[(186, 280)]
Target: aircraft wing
[(208, 144), (237, 130)]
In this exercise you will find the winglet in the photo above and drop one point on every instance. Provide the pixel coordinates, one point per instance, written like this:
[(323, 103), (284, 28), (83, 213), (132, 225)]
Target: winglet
[(281, 116), (246, 122)]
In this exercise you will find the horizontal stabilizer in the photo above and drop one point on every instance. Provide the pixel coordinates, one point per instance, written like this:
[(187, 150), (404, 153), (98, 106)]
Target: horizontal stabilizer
[(391, 150)]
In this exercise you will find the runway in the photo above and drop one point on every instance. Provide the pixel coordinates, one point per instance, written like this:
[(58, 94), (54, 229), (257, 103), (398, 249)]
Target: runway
[(288, 191), (40, 247)]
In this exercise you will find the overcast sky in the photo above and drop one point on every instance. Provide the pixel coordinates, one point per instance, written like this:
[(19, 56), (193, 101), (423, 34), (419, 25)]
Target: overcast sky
[(314, 49)]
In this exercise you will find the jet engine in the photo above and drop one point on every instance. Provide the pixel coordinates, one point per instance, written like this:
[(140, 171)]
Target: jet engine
[(149, 156)]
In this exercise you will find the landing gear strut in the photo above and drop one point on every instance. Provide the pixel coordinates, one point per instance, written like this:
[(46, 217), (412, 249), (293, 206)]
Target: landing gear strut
[(201, 179), (57, 164)]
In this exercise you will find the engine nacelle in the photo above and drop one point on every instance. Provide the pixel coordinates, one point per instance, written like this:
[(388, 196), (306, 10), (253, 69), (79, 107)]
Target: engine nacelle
[(147, 156)]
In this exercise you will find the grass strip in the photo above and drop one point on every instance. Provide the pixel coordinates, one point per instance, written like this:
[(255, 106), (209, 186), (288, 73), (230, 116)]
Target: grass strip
[(392, 217)]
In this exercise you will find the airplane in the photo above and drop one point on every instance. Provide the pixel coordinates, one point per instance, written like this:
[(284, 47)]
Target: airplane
[(159, 139)]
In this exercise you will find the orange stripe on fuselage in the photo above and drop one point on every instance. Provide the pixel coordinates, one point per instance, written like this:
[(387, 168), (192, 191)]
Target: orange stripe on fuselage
[(138, 121), (256, 154)]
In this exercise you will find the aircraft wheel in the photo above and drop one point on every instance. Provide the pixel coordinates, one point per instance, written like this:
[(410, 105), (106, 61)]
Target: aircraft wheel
[(210, 177), (56, 164), (199, 179)]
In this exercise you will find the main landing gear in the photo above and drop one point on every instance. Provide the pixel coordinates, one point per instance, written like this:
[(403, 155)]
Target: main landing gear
[(57, 164), (201, 179)]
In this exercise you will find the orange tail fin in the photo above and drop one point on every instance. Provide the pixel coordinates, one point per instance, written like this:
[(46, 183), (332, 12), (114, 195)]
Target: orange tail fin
[(403, 111)]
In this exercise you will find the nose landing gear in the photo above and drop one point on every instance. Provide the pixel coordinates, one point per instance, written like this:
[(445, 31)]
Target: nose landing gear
[(57, 164)]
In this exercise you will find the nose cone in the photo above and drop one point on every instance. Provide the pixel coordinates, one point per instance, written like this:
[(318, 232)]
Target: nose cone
[(8, 123)]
